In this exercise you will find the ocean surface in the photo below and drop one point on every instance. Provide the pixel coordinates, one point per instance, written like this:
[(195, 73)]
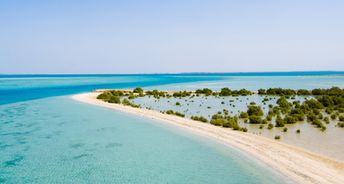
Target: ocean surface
[(46, 137)]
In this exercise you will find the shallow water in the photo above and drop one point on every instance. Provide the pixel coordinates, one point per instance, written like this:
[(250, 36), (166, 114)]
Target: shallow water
[(57, 140), (328, 143)]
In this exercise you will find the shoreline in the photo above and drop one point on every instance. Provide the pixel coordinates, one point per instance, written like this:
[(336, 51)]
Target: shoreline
[(296, 163)]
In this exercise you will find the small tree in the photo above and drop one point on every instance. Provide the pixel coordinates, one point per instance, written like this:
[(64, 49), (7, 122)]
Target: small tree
[(255, 110), (279, 121), (114, 99), (243, 115), (138, 90), (255, 119)]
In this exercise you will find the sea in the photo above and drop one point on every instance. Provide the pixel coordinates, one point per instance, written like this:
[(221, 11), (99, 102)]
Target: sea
[(47, 137)]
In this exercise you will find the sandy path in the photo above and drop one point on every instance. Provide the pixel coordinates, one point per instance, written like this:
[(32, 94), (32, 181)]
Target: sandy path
[(300, 165)]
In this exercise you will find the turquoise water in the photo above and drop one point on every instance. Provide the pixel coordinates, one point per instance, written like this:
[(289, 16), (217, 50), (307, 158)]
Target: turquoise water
[(57, 140), (46, 137)]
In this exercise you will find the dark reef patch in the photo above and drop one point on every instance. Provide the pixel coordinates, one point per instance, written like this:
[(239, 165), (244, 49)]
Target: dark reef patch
[(14, 161), (81, 156)]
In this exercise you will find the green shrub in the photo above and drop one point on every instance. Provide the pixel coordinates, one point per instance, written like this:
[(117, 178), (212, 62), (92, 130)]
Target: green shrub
[(205, 91), (199, 118), (311, 117), (138, 90), (313, 104), (303, 92), (333, 116), (217, 122), (231, 122), (116, 93), (227, 124), (318, 124), (244, 129), (243, 115), (327, 120), (261, 91), (289, 120), (217, 116), (225, 92), (283, 103), (114, 99), (169, 112), (329, 110), (340, 124), (268, 117), (126, 102), (179, 114), (104, 96), (254, 110), (341, 118), (280, 91), (316, 111), (156, 94), (255, 119), (298, 117), (182, 94), (279, 121)]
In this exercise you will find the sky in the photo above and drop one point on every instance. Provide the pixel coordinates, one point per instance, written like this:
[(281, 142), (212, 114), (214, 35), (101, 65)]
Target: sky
[(156, 36)]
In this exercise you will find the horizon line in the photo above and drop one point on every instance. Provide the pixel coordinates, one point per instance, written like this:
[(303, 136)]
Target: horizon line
[(177, 73)]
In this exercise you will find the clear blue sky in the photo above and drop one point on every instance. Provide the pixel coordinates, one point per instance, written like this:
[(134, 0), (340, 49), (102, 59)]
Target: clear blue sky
[(156, 36)]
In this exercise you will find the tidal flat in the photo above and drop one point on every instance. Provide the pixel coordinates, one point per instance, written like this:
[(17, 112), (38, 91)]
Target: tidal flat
[(325, 139)]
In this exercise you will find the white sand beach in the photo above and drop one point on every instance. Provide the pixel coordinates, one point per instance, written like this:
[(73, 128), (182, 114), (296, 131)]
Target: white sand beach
[(300, 165)]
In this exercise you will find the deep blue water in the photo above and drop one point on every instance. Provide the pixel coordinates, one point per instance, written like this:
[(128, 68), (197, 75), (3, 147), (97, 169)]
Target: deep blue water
[(16, 88)]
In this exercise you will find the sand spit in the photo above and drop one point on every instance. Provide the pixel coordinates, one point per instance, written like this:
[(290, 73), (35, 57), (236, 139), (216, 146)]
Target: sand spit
[(296, 163)]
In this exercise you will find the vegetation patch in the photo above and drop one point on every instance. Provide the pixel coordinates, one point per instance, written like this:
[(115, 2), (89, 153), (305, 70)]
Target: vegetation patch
[(319, 107)]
